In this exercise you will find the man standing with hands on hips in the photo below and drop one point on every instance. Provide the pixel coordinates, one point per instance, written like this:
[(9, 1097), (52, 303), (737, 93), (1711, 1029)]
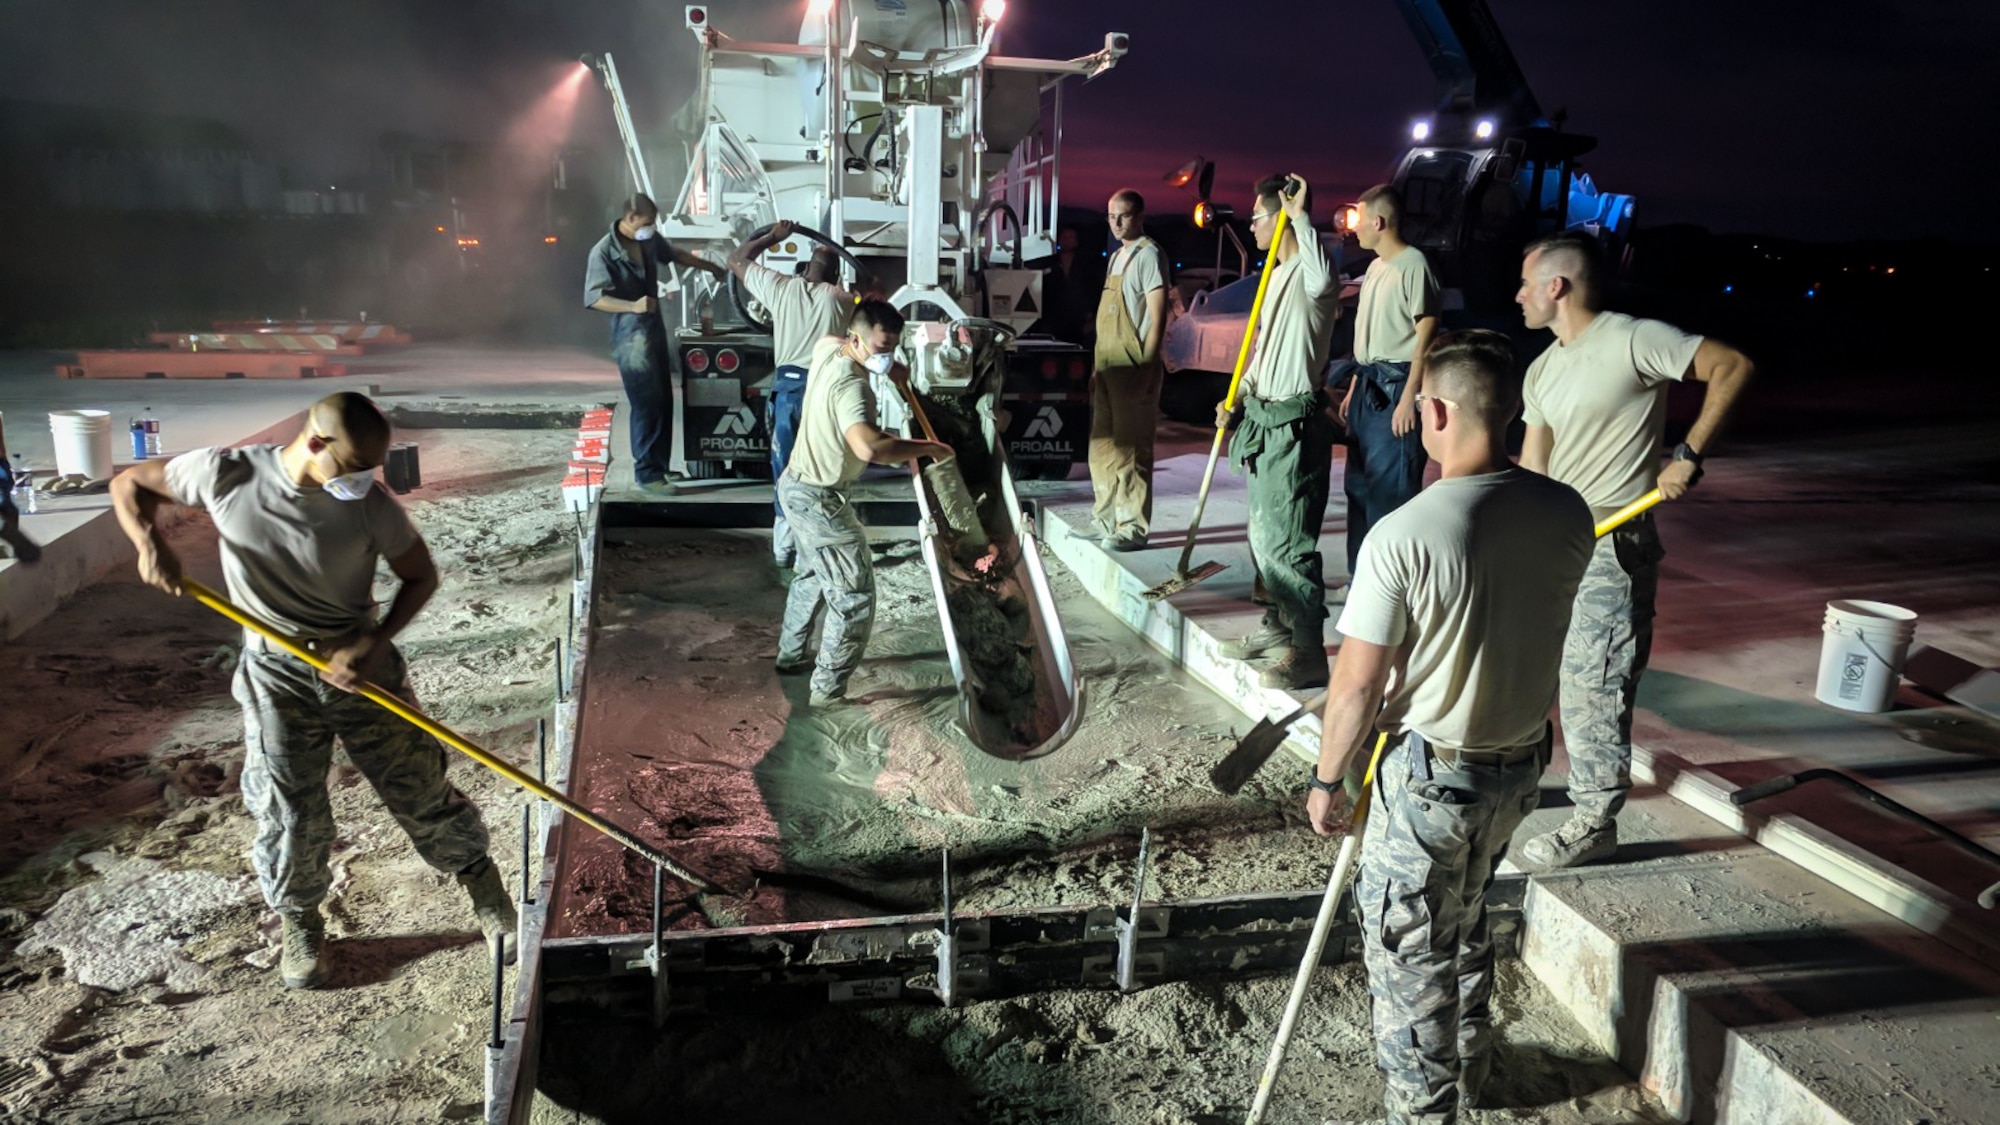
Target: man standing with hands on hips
[(623, 278), (1453, 632), (1125, 381), (1596, 408)]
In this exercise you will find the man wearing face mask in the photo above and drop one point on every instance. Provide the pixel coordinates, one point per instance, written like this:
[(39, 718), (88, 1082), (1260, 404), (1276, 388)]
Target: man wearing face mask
[(623, 279), (838, 437), (302, 526)]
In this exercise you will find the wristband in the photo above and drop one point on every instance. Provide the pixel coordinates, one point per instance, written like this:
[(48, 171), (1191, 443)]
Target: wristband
[(1313, 782)]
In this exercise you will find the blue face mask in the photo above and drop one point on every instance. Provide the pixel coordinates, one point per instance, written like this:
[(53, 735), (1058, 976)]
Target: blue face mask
[(351, 486)]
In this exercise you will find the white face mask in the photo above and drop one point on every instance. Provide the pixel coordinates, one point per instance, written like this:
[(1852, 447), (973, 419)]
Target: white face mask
[(880, 363), (351, 486), (642, 234)]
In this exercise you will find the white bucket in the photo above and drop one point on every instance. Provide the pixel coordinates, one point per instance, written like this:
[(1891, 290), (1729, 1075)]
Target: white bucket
[(1861, 657), (83, 442)]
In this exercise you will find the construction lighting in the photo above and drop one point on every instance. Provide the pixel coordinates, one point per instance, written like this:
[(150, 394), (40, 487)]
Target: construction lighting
[(440, 230), (1185, 174), (993, 11), (1420, 132), (1348, 217), (818, 9), (1204, 215), (549, 239), (1484, 131)]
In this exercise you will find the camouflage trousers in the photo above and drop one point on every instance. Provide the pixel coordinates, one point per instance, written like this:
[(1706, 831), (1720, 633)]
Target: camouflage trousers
[(1434, 838), (1610, 637), (834, 572), (290, 719)]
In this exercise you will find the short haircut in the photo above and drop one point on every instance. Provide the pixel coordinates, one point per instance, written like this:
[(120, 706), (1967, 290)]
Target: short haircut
[(1571, 254), (1385, 203), (1271, 189), (823, 265), (640, 204), (1474, 367), (874, 313), (350, 417), (1130, 199)]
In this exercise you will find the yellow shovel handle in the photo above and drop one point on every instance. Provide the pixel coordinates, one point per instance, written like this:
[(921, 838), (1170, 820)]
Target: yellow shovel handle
[(445, 734), (1628, 511)]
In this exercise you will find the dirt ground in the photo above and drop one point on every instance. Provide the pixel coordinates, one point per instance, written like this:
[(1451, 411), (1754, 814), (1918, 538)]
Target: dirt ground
[(135, 979), (851, 805), (135, 954)]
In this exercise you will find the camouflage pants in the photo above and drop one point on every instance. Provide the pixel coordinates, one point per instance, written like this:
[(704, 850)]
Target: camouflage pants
[(1610, 637), (290, 719), (1433, 841), (834, 571)]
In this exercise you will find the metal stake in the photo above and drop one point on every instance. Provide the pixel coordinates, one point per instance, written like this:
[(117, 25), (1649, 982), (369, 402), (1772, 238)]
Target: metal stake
[(542, 747), (1128, 927), (947, 951), (499, 986), (527, 835)]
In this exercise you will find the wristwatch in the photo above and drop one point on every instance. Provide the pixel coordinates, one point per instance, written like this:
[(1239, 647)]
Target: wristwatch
[(1313, 782), (1686, 452)]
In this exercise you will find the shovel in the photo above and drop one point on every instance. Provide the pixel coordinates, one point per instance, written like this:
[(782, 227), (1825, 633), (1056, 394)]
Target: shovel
[(1255, 748), (1183, 577), (955, 503)]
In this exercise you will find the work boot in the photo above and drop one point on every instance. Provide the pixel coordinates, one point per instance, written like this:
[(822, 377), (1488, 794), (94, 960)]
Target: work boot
[(1129, 543), (794, 665), (1581, 839), (822, 697), (305, 940), (1270, 636), (492, 906), (660, 488), (1300, 668)]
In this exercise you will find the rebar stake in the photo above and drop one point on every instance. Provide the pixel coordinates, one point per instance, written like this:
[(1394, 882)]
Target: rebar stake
[(1128, 927)]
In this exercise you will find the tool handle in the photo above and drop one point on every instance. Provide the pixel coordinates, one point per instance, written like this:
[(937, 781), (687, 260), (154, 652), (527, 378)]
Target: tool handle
[(1343, 870), (444, 734), (1643, 503)]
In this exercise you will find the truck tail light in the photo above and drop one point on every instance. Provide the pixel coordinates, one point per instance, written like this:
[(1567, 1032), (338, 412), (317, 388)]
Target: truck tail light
[(697, 360)]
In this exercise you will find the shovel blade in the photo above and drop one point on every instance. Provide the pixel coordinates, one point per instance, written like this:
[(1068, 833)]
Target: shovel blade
[(1180, 582), (1251, 752)]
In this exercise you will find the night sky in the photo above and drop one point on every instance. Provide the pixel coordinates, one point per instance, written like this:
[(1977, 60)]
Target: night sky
[(1822, 121)]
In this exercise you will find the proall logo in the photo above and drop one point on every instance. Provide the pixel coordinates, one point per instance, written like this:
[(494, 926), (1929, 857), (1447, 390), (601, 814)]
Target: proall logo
[(1047, 423), (738, 421)]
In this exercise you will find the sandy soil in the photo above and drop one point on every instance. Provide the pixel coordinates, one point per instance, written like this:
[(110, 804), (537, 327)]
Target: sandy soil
[(851, 806), (135, 954)]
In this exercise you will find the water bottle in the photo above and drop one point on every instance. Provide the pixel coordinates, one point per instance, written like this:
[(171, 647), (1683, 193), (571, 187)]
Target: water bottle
[(152, 426), (24, 490), (138, 440)]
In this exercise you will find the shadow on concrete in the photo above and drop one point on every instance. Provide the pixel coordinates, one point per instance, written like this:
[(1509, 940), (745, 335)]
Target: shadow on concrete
[(360, 962)]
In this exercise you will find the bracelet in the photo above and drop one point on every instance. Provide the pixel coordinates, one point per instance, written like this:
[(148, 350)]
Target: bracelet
[(1313, 782)]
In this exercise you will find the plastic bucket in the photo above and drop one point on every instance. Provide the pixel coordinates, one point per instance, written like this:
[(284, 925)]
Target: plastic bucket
[(1861, 655), (83, 442)]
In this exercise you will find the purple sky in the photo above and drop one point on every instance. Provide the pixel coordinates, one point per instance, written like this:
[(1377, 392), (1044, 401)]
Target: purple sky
[(1789, 118)]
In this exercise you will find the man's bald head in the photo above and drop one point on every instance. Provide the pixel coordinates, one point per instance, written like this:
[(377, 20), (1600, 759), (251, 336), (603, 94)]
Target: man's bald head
[(353, 426)]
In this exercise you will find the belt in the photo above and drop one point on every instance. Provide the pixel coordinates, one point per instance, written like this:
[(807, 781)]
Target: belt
[(1453, 758)]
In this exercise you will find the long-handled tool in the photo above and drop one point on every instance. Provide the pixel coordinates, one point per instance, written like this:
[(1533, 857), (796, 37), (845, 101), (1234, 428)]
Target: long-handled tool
[(1183, 577), (1256, 747), (450, 738), (1343, 870)]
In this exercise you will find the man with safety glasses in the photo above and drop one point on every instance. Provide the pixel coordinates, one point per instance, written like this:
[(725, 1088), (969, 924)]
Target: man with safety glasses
[(302, 527)]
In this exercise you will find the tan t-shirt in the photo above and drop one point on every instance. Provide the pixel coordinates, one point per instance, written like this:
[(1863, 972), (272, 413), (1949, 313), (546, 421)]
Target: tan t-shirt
[(1605, 396), (837, 396), (802, 313), (294, 556), (1295, 330), (1395, 293), (1474, 578), (1140, 269)]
